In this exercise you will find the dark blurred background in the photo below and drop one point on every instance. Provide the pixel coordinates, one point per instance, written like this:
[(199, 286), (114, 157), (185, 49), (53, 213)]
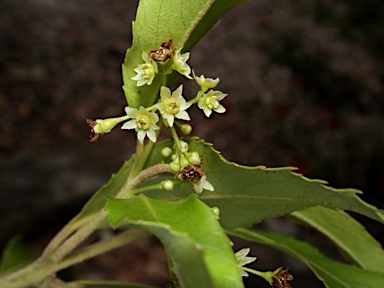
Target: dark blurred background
[(305, 83)]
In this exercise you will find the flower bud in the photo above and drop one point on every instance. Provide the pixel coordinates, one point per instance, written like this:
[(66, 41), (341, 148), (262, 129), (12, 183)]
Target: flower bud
[(183, 161), (167, 185), (216, 211), (193, 157), (185, 128), (175, 166), (166, 151), (183, 147)]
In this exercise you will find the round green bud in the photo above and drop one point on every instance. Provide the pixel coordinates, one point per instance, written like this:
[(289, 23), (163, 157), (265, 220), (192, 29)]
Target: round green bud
[(174, 166), (183, 147), (194, 157), (183, 161), (216, 211), (167, 185), (185, 129), (166, 151)]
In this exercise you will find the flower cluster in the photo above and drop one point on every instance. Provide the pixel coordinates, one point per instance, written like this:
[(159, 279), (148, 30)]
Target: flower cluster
[(171, 106)]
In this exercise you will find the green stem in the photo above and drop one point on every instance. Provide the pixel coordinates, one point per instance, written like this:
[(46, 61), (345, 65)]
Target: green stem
[(102, 247), (197, 98), (175, 137), (143, 189), (146, 174), (64, 233), (79, 236), (265, 275)]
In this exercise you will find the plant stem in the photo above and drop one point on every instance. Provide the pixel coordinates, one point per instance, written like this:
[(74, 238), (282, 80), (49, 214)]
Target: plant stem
[(175, 137), (102, 247), (43, 267)]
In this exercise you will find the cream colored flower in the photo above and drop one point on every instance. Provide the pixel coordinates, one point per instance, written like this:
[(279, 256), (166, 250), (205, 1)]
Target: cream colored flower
[(243, 259), (173, 105), (205, 83), (180, 63), (145, 72), (210, 101), (143, 122)]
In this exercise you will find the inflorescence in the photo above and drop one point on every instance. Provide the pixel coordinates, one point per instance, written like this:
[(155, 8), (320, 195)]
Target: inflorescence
[(170, 108)]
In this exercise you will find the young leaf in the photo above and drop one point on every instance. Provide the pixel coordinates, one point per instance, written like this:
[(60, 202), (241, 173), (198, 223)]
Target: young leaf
[(332, 273), (200, 250), (15, 255), (348, 234), (247, 195), (157, 21)]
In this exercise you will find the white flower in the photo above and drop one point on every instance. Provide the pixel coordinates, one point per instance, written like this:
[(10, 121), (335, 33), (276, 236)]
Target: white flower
[(145, 72), (242, 259), (202, 184), (143, 122), (172, 105), (205, 83), (210, 101), (180, 65)]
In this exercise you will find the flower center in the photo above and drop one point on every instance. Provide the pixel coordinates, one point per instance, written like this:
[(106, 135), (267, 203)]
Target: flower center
[(148, 71), (143, 122), (171, 106), (211, 102)]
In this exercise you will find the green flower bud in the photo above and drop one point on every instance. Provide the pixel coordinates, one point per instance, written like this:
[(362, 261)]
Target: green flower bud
[(101, 126), (183, 147), (216, 211), (193, 157), (166, 151), (183, 161), (174, 166), (167, 185), (185, 128)]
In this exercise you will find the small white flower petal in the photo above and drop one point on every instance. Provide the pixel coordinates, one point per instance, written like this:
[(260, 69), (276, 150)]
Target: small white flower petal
[(243, 273), (207, 111), (129, 110), (183, 115), (203, 183), (197, 188), (165, 92), (141, 135), (131, 124), (177, 93), (170, 119), (220, 109), (242, 253), (184, 105), (151, 135)]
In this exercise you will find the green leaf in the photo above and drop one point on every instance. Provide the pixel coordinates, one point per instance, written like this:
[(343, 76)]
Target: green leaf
[(159, 20), (192, 236), (332, 273), (15, 255), (247, 195), (348, 234)]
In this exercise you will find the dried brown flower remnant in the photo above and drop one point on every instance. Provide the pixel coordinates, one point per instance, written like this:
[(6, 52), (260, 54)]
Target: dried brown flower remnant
[(279, 280), (192, 173), (163, 53), (94, 135)]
